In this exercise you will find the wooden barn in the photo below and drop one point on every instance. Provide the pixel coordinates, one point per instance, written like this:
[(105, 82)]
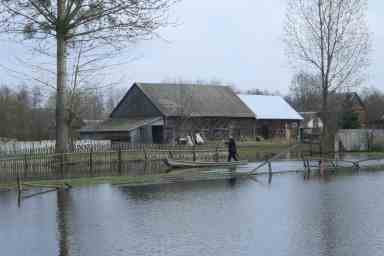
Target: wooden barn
[(163, 113), (275, 118)]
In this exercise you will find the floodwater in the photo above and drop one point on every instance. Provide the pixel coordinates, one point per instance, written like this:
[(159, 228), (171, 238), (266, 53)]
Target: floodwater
[(337, 215)]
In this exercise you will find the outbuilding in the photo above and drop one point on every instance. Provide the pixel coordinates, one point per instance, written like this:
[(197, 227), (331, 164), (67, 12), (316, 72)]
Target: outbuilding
[(275, 118)]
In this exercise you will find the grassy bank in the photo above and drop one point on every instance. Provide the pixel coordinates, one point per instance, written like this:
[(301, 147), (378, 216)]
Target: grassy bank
[(183, 175), (87, 181), (262, 149)]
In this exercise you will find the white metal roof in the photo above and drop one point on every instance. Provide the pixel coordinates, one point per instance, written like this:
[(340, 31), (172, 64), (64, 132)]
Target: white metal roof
[(270, 107)]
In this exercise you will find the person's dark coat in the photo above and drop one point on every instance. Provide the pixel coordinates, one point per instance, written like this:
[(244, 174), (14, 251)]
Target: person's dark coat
[(232, 146)]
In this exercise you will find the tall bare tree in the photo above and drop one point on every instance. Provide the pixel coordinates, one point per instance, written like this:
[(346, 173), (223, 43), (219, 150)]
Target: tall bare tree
[(305, 92), (330, 39), (67, 22)]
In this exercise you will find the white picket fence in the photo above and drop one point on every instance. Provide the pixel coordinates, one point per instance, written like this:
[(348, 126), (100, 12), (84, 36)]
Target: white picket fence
[(46, 146)]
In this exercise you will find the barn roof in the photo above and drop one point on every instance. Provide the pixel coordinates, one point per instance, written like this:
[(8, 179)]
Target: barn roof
[(120, 124), (270, 107), (195, 100)]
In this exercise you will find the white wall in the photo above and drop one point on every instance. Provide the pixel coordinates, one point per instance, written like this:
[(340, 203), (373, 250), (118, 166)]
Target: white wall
[(359, 140)]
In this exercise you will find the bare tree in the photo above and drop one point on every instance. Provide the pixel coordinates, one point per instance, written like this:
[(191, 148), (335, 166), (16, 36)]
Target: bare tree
[(374, 101), (87, 73), (187, 122), (112, 98), (330, 39), (305, 92), (21, 114), (67, 22), (183, 106)]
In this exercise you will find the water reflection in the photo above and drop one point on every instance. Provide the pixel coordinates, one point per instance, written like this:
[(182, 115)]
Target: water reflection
[(340, 215), (63, 204), (142, 193)]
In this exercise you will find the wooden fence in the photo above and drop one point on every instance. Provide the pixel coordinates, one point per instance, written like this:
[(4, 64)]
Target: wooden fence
[(46, 146), (137, 160), (12, 150)]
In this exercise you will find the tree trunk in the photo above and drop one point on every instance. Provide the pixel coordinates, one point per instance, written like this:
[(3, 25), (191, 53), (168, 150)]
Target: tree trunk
[(61, 131), (326, 143)]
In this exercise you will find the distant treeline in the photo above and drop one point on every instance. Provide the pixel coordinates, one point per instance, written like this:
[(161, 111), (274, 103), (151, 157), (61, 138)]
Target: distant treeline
[(29, 113)]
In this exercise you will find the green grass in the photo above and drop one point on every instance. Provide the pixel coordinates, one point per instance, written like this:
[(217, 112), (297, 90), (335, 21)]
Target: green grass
[(88, 181), (368, 153), (258, 150)]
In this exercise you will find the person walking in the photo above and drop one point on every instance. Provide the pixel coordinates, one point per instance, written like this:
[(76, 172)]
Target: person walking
[(232, 149)]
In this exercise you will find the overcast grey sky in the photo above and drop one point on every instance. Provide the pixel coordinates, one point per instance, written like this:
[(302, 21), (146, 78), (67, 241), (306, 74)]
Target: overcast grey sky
[(238, 42)]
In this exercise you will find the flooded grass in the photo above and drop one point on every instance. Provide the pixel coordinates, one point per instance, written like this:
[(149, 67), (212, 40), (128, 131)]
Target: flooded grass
[(183, 175)]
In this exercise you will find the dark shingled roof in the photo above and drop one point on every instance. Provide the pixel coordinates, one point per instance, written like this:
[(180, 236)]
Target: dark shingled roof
[(195, 100)]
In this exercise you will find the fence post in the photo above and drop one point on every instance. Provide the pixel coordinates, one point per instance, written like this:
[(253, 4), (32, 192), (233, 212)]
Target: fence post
[(216, 154), (269, 168), (62, 164), (269, 172), (19, 185), (119, 160), (194, 153), (145, 154), (19, 189), (91, 161), (25, 164)]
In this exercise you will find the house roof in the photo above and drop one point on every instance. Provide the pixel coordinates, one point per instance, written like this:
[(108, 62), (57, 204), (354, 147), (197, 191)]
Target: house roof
[(195, 100), (270, 107), (120, 124), (352, 98)]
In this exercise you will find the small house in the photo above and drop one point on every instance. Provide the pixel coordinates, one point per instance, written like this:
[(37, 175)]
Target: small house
[(275, 118), (311, 126), (164, 113), (346, 111)]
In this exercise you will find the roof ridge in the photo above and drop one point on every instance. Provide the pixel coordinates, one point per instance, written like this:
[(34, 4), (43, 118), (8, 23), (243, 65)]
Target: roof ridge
[(202, 100), (182, 84)]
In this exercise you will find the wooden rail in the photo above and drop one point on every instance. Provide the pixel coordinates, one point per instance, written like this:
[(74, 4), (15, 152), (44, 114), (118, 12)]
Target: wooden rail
[(268, 160)]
